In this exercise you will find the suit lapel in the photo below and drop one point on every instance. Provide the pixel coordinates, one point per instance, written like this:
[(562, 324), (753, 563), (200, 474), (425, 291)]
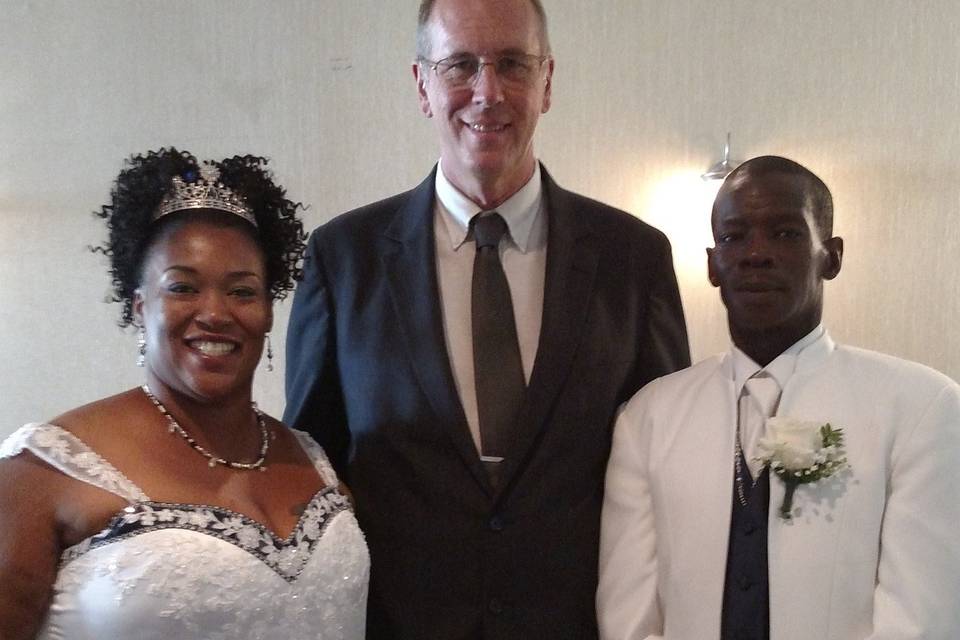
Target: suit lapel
[(410, 264), (572, 257), (801, 548), (703, 450)]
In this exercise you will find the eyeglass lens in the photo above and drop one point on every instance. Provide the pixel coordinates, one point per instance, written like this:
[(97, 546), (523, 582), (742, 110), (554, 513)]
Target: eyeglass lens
[(512, 68)]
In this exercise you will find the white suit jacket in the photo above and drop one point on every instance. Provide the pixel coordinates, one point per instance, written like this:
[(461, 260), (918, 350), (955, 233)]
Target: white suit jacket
[(872, 553)]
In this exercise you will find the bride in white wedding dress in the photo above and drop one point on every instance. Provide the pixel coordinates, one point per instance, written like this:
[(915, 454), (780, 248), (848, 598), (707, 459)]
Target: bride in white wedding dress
[(178, 509)]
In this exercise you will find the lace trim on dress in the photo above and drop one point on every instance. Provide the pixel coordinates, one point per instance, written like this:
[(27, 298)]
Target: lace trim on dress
[(67, 453), (318, 456), (287, 557)]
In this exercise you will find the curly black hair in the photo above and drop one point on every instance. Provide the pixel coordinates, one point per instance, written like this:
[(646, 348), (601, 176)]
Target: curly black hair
[(140, 187)]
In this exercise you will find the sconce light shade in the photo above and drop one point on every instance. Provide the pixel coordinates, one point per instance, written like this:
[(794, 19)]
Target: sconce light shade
[(722, 169)]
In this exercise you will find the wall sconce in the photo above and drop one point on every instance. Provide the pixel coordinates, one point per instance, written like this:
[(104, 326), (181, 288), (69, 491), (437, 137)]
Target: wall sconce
[(722, 169)]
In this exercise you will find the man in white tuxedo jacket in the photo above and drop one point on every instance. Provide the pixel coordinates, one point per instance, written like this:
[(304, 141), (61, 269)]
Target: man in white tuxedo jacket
[(693, 544)]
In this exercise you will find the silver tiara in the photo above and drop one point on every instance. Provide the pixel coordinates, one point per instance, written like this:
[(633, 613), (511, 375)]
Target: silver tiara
[(206, 193)]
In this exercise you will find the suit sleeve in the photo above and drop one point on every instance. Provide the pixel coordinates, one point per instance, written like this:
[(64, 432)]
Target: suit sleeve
[(918, 578), (314, 400), (663, 344), (628, 607)]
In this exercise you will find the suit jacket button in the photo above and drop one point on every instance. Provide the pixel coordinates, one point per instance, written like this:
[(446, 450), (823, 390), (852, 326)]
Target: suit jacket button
[(496, 523), (495, 606)]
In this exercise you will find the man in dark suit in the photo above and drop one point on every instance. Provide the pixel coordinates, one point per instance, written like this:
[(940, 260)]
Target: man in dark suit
[(465, 386)]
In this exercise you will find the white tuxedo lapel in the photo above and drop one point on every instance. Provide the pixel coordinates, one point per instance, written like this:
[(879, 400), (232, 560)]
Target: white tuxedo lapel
[(804, 553), (694, 488)]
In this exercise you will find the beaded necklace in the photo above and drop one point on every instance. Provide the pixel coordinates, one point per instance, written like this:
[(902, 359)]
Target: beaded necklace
[(212, 459)]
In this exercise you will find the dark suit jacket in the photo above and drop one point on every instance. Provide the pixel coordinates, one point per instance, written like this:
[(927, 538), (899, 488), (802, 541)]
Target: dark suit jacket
[(368, 374)]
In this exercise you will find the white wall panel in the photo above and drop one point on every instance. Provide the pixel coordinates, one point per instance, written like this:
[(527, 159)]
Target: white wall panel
[(866, 93)]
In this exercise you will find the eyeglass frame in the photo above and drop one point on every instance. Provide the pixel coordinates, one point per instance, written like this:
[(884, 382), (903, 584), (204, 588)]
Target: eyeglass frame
[(435, 64)]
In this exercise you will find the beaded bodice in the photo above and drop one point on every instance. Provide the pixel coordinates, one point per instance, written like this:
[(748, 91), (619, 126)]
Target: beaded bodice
[(162, 570)]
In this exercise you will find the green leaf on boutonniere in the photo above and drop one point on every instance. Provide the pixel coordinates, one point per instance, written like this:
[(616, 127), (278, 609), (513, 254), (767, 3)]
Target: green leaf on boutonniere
[(831, 437)]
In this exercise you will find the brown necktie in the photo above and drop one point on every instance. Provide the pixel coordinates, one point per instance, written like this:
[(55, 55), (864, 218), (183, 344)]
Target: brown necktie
[(498, 370)]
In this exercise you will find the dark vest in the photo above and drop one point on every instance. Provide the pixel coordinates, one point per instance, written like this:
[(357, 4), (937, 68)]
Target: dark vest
[(746, 590)]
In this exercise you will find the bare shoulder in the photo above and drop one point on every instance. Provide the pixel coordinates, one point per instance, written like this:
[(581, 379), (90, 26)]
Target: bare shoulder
[(47, 506), (30, 545), (112, 410), (25, 479), (286, 438), (28, 482), (108, 425), (30, 492), (289, 446), (39, 501)]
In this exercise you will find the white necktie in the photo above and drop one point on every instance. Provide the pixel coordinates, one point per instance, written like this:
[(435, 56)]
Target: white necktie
[(758, 401)]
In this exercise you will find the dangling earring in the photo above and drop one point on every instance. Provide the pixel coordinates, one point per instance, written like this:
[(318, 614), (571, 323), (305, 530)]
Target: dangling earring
[(269, 352), (141, 347)]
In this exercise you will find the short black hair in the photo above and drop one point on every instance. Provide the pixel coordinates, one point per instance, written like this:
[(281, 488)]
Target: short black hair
[(814, 188), (140, 187), (426, 8)]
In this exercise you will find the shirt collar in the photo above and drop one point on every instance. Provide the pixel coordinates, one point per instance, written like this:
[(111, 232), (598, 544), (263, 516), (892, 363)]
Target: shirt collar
[(520, 210), (781, 368)]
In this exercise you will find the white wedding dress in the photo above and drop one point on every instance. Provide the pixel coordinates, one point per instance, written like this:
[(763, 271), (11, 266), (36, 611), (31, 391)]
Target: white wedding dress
[(182, 571)]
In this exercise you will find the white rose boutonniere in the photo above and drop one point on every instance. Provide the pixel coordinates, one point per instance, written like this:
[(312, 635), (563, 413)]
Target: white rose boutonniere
[(800, 452)]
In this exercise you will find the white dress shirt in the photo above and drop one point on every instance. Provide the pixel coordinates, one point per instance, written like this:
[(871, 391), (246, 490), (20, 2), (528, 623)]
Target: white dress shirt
[(523, 253)]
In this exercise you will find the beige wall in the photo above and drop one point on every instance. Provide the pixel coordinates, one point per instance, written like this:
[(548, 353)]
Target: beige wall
[(864, 92)]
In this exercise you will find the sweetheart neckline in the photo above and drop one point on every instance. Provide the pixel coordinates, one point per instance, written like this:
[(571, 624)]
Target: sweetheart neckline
[(285, 556), (247, 519)]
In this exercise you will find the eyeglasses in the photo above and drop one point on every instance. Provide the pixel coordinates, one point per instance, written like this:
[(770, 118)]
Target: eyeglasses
[(460, 71)]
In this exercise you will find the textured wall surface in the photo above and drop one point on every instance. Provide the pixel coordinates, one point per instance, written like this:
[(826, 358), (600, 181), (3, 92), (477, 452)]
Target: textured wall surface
[(866, 93)]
